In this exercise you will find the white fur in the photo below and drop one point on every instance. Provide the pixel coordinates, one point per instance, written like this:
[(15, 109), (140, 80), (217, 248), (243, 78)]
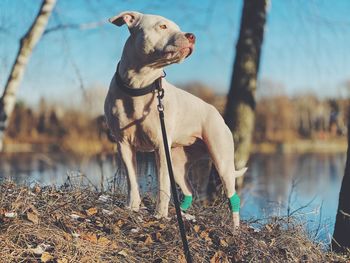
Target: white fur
[(192, 124)]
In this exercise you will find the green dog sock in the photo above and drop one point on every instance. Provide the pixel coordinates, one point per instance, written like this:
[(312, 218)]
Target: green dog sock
[(186, 202), (235, 203)]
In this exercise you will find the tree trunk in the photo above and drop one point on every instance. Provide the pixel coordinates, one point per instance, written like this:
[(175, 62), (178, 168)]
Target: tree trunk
[(27, 43), (341, 235), (239, 113)]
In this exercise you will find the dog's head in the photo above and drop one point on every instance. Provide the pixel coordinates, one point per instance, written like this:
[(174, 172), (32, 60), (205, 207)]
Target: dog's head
[(154, 39)]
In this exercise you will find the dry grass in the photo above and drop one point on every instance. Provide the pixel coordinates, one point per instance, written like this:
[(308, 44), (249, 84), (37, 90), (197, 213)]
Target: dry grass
[(78, 225)]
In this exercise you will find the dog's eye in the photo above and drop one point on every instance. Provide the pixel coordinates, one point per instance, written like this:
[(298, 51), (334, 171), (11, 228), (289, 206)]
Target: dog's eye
[(163, 26)]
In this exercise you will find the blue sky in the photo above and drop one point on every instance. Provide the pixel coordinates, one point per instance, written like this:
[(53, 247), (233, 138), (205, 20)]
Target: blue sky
[(306, 47)]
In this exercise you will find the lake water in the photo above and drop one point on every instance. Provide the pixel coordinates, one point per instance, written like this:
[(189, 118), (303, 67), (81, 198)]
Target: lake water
[(306, 183)]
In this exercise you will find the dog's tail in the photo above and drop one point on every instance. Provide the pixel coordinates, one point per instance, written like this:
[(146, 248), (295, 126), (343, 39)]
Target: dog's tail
[(240, 172)]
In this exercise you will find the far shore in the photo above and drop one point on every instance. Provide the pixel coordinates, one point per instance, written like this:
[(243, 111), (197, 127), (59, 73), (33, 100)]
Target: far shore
[(297, 146), (303, 146)]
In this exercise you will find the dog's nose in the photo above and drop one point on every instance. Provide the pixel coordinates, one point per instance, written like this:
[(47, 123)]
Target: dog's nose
[(191, 37)]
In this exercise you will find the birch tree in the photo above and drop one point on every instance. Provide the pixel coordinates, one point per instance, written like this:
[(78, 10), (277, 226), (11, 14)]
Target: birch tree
[(27, 44)]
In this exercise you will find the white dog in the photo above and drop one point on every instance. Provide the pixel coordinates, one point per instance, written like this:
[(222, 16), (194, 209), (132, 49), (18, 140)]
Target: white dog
[(191, 124)]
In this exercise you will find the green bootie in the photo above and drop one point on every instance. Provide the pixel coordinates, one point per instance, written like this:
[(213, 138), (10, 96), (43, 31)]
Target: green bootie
[(186, 202), (235, 203)]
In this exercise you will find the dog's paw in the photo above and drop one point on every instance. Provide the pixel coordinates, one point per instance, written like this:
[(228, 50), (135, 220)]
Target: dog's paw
[(161, 214), (188, 216), (134, 206), (235, 219)]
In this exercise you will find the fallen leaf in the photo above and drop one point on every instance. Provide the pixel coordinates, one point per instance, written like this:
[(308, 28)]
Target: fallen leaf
[(91, 211), (62, 260), (107, 212), (46, 257), (123, 253), (204, 234), (75, 235), (150, 223), (262, 243), (223, 243), (188, 217), (148, 240), (116, 229), (10, 214), (74, 216), (67, 236), (33, 208), (40, 249), (99, 223), (33, 217), (196, 228), (158, 236), (37, 189), (268, 228), (56, 216), (86, 259), (103, 198), (103, 241), (135, 230), (91, 237), (120, 223), (161, 226), (114, 245), (181, 258), (219, 257)]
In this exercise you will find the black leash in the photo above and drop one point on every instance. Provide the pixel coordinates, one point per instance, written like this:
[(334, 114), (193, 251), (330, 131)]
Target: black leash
[(157, 85), (160, 108)]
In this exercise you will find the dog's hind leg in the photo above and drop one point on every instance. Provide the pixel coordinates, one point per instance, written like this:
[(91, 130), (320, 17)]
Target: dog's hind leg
[(128, 156), (218, 138)]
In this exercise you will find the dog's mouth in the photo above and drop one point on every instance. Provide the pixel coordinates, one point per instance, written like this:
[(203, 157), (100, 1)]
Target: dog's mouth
[(180, 53), (187, 50)]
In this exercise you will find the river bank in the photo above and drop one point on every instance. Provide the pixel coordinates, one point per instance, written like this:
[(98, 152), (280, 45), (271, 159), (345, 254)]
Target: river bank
[(302, 146), (93, 147), (69, 224)]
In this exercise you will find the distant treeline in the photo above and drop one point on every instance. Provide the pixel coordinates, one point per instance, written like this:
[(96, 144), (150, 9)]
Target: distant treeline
[(67, 128), (278, 119)]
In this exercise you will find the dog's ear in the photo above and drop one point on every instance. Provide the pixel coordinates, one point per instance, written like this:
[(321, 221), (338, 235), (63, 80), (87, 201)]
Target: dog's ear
[(130, 18)]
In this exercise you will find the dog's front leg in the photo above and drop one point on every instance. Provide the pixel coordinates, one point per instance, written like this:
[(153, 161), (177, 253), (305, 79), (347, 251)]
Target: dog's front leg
[(163, 184), (128, 156)]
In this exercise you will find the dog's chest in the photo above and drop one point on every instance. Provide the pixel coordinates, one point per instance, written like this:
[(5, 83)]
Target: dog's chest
[(135, 120)]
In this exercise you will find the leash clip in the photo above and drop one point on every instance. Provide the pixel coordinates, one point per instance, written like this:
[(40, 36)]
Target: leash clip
[(164, 74), (160, 95)]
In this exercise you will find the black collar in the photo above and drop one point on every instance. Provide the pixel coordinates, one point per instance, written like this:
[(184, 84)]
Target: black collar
[(137, 92)]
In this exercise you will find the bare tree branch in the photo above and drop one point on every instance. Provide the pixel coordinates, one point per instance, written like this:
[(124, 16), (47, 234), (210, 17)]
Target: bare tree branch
[(83, 26)]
